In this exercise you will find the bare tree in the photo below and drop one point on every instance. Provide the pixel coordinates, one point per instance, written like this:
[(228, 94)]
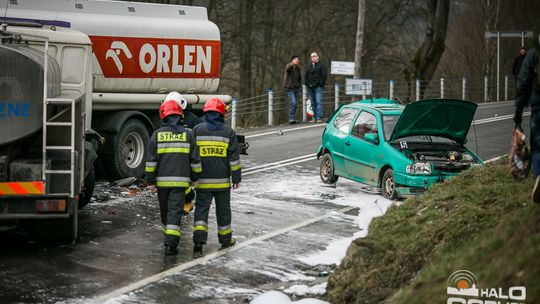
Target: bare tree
[(427, 57), (358, 52)]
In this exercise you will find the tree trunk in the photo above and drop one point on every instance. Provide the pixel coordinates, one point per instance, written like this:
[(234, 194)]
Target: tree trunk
[(427, 57), (359, 38)]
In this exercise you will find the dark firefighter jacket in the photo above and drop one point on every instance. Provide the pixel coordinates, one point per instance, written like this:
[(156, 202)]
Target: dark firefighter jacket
[(218, 149), (528, 85), (172, 160)]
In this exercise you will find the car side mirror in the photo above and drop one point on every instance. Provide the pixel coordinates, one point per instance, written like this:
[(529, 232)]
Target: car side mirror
[(371, 137)]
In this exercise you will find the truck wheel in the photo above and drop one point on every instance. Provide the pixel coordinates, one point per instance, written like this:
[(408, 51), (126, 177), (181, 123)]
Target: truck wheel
[(327, 170), (88, 188), (129, 153), (388, 185)]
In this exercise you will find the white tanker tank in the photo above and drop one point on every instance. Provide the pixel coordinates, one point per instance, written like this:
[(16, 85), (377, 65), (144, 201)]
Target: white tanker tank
[(138, 47), (140, 52)]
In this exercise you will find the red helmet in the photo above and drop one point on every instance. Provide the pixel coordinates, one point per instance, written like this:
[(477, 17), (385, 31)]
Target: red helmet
[(214, 104), (169, 107)]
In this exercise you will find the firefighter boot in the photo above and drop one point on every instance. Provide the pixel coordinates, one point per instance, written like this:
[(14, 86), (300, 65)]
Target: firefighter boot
[(197, 250), (170, 250), (231, 243)]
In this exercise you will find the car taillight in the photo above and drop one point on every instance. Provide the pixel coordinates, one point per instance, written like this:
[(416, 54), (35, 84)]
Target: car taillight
[(57, 205)]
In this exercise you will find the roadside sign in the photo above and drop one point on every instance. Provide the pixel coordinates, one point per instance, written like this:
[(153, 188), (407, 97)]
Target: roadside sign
[(342, 68), (358, 86)]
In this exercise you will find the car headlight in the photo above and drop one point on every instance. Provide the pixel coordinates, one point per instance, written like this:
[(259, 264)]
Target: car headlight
[(419, 168)]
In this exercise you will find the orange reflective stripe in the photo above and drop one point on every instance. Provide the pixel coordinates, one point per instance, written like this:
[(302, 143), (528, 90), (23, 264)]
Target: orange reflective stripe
[(13, 188)]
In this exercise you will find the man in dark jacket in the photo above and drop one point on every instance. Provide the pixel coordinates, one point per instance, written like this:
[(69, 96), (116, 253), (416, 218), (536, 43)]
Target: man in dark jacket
[(292, 83), (173, 165), (315, 79), (220, 161), (528, 92)]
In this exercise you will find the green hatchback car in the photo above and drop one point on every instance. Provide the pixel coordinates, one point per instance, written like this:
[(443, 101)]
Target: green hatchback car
[(401, 149)]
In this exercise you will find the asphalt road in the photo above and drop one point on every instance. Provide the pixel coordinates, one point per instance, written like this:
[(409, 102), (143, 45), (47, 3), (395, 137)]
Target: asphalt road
[(280, 211)]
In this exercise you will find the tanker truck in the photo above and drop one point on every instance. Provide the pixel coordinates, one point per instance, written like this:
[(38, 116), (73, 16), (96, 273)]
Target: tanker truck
[(80, 85)]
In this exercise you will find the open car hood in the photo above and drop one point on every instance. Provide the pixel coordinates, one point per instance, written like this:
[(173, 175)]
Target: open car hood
[(449, 118)]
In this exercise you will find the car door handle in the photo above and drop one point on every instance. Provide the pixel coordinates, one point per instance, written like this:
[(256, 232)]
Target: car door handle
[(347, 143)]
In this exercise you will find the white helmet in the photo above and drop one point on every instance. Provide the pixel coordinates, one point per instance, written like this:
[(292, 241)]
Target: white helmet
[(180, 100)]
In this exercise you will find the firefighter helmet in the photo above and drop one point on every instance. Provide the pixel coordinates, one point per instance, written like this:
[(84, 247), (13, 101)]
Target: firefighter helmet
[(170, 107), (215, 104), (178, 98)]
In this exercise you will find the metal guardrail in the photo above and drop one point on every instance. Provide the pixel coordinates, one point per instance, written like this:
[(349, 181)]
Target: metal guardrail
[(272, 108)]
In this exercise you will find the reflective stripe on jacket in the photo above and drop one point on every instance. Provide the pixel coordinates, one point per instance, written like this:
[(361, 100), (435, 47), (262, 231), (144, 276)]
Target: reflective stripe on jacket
[(172, 158), (220, 159)]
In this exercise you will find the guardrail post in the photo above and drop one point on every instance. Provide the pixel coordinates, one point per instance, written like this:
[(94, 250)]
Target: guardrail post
[(391, 93), (485, 88), (442, 87), (304, 105), (270, 107), (336, 96), (463, 88), (233, 114), (417, 88), (505, 87)]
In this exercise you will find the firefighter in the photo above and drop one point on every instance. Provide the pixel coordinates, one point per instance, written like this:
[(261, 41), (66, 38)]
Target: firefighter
[(173, 165), (220, 161), (189, 120)]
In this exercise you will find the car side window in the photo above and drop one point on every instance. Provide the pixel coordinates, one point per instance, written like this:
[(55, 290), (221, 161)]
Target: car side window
[(365, 123), (344, 119)]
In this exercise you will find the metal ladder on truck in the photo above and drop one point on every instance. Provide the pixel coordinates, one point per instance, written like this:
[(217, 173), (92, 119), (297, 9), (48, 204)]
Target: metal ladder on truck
[(69, 105)]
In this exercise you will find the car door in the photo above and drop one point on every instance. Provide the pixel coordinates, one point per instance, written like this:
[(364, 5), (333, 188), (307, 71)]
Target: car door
[(337, 136), (362, 149)]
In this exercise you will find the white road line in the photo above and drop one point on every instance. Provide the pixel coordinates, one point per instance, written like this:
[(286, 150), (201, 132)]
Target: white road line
[(279, 163), (287, 130), (493, 119), (175, 270)]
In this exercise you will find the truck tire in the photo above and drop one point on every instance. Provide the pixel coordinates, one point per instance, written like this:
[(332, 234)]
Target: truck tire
[(130, 150), (88, 188)]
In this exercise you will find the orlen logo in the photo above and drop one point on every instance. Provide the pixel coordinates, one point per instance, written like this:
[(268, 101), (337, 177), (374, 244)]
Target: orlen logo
[(462, 288), (117, 47), (130, 57)]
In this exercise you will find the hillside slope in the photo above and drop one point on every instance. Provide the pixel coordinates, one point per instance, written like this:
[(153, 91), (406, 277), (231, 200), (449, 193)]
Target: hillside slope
[(482, 221)]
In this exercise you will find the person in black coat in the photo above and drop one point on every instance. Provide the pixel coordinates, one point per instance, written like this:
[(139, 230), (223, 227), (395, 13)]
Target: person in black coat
[(528, 93), (315, 79), (518, 61)]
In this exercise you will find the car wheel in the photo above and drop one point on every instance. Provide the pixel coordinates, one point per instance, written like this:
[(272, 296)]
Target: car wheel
[(388, 185), (327, 170)]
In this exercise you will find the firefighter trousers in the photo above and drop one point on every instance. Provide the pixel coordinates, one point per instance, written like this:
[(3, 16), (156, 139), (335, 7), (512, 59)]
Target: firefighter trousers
[(171, 203), (223, 215)]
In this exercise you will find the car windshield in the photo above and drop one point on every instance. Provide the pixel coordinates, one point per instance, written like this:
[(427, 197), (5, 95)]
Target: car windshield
[(389, 123)]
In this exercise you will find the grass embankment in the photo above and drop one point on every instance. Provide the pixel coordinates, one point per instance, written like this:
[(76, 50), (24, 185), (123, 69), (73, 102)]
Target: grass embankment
[(482, 221)]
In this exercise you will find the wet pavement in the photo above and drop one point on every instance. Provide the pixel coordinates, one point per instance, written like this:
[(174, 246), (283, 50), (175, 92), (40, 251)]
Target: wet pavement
[(290, 228)]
